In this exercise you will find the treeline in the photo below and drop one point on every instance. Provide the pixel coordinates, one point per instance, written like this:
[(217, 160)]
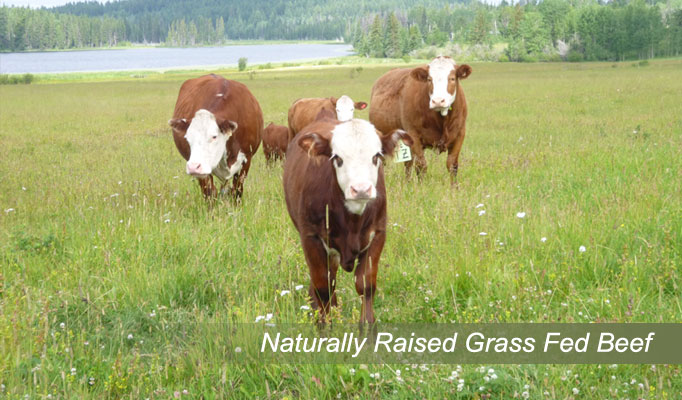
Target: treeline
[(526, 31), (25, 29), (550, 30)]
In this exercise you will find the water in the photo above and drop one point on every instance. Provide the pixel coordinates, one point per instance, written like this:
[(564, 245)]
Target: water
[(164, 58)]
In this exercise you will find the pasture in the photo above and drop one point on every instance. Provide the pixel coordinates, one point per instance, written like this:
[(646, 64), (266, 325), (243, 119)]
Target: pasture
[(115, 270)]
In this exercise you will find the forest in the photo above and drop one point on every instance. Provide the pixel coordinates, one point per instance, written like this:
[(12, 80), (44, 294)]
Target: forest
[(548, 30)]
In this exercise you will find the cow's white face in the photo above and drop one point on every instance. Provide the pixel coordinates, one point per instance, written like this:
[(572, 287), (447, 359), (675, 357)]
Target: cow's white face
[(207, 139), (356, 153), (345, 107), (443, 84)]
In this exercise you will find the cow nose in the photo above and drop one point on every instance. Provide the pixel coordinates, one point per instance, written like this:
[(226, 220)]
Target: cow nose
[(361, 191), (194, 168), (438, 102)]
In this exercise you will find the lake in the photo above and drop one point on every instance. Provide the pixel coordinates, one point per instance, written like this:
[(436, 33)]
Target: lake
[(164, 58)]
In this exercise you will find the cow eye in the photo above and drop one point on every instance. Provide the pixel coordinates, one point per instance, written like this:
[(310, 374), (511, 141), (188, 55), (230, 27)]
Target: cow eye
[(377, 157), (337, 160), (215, 137)]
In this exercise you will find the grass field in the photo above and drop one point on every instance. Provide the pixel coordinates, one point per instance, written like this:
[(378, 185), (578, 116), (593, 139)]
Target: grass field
[(114, 268)]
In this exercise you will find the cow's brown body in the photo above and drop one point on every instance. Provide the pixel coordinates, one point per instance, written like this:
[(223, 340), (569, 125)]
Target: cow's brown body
[(229, 100), (303, 111), (316, 206), (275, 141), (400, 101)]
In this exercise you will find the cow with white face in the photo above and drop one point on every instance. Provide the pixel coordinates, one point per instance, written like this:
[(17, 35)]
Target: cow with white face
[(304, 111), (428, 102), (207, 140), (335, 195), (217, 126)]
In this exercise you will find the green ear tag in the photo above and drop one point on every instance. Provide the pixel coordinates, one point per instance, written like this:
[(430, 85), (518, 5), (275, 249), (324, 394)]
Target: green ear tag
[(404, 153)]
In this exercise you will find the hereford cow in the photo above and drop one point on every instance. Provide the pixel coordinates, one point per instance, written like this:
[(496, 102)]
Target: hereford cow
[(275, 141), (304, 111), (428, 102), (335, 195), (217, 126)]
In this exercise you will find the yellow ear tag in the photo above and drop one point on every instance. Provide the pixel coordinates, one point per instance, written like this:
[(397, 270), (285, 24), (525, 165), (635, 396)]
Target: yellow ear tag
[(404, 153)]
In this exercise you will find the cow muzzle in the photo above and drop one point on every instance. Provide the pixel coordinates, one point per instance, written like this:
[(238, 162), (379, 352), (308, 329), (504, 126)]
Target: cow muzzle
[(361, 191), (197, 170)]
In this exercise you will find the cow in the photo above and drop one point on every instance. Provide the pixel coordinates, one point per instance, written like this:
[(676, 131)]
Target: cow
[(303, 111), (428, 102), (335, 195), (217, 127), (275, 141)]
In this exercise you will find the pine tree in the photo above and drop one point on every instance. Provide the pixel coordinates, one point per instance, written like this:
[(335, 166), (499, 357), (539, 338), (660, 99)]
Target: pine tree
[(392, 47), (376, 45)]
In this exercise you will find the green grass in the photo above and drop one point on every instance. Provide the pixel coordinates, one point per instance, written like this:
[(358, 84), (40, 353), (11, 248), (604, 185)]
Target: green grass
[(103, 236)]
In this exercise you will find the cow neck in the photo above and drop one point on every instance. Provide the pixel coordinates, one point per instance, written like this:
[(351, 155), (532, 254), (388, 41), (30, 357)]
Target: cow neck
[(222, 171)]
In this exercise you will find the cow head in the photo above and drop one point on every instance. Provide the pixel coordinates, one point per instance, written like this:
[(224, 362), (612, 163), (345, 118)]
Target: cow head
[(356, 150), (345, 107), (441, 75), (207, 137)]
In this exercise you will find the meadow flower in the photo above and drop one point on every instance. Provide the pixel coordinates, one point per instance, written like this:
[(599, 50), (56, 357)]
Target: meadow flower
[(130, 336), (520, 214), (268, 316), (259, 317), (582, 249), (305, 308), (91, 381), (9, 210), (237, 349), (525, 395), (152, 314), (493, 376), (299, 287), (479, 205), (62, 325), (352, 371), (575, 391), (73, 371), (482, 234), (480, 213), (460, 387), (166, 221), (23, 188), (284, 292)]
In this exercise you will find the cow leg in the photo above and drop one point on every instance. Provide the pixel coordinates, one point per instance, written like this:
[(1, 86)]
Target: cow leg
[(453, 156), (238, 182), (366, 277), (207, 187), (322, 268), (418, 159)]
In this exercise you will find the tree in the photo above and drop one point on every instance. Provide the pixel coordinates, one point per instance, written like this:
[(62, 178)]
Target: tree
[(481, 26), (392, 46), (242, 63), (376, 43)]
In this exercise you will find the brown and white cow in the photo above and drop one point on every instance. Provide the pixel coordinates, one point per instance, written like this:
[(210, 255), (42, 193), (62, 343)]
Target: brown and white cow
[(303, 111), (217, 126), (429, 103), (275, 141), (335, 195)]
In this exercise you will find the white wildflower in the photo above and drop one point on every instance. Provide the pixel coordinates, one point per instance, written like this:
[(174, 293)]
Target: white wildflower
[(284, 292), (520, 215), (299, 287), (582, 249)]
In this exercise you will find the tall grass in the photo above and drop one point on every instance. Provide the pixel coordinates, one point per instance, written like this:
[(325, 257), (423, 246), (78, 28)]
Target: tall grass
[(115, 271)]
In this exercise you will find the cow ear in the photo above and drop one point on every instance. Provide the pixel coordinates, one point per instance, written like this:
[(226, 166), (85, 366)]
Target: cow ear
[(227, 126), (420, 73), (315, 145), (360, 105), (463, 71), (179, 124), (333, 100), (388, 142)]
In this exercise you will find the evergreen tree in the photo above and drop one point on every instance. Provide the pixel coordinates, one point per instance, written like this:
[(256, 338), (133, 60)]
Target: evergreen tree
[(392, 46), (376, 43)]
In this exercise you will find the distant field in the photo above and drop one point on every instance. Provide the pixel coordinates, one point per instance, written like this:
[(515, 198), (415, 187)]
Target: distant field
[(114, 268)]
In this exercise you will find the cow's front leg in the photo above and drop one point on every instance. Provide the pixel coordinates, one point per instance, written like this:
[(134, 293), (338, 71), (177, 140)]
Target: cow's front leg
[(418, 159), (453, 156), (366, 277), (207, 187), (322, 267)]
